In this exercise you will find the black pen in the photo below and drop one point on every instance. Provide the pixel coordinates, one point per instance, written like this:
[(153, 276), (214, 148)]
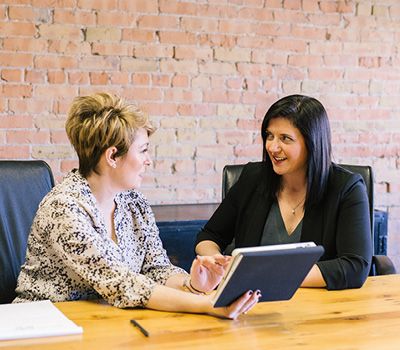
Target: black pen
[(137, 324)]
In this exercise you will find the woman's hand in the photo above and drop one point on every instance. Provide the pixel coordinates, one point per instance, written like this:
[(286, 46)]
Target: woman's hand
[(240, 306), (207, 272)]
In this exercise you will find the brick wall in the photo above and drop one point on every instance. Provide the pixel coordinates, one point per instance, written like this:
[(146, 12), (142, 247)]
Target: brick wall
[(206, 71)]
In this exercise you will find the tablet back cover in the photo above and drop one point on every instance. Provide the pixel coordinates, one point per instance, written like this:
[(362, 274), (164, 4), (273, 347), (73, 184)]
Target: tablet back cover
[(276, 273)]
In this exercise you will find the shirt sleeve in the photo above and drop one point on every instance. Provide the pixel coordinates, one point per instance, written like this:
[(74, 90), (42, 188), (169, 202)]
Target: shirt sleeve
[(156, 265), (90, 255), (353, 241)]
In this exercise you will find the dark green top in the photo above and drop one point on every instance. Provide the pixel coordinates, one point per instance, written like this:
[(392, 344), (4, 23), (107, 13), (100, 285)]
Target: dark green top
[(275, 230)]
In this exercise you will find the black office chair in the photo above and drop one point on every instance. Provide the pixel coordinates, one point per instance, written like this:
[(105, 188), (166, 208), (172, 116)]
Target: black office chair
[(23, 184), (381, 264)]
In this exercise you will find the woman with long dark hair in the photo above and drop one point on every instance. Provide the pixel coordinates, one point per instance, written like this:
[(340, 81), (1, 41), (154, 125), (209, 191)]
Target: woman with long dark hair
[(297, 194)]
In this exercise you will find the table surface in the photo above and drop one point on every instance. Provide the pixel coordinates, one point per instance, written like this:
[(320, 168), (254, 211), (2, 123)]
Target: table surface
[(366, 318)]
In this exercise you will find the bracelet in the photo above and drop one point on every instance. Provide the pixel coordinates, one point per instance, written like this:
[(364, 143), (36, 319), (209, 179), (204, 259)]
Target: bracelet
[(187, 286)]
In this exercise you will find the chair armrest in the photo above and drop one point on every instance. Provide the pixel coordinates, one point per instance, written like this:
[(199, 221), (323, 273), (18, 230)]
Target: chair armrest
[(383, 265)]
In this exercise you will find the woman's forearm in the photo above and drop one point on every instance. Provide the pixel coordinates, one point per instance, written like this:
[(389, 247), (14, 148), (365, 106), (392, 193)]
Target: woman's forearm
[(314, 278), (169, 299)]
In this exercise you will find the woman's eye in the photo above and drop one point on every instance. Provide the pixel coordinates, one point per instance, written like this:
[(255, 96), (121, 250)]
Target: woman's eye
[(270, 137), (286, 138)]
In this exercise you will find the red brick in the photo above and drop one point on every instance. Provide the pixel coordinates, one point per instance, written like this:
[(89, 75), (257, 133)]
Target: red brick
[(192, 24), (56, 77), (214, 151), (99, 63), (104, 34), (67, 165), (249, 151), (182, 95), (35, 76), (21, 13), (59, 137), (157, 22), (18, 29), (98, 4), (137, 65), (254, 69), (16, 121), (205, 166), (146, 94), (180, 80), (273, 29), (66, 47), (222, 96), (27, 137), (55, 91), (141, 79), (174, 66), (16, 60), (153, 51), (112, 49), (116, 18), (190, 53), (30, 106), (78, 77), (11, 75), (98, 78), (177, 7), (14, 152), (139, 6), (160, 80), (55, 62), (161, 109), (24, 44), (119, 78), (54, 3), (234, 137), (177, 38), (259, 14), (143, 36), (17, 90), (289, 45), (60, 31), (74, 17), (310, 6), (233, 27)]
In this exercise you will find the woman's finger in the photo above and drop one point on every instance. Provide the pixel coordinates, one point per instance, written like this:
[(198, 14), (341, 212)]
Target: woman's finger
[(251, 302)]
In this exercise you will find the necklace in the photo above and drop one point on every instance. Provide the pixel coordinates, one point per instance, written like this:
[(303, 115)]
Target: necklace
[(294, 209)]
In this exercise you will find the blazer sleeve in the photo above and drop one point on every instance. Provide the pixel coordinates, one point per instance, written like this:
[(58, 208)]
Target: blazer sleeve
[(221, 227), (352, 237)]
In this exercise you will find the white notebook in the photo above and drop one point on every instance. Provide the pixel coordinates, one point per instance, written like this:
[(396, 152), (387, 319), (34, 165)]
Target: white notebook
[(33, 320)]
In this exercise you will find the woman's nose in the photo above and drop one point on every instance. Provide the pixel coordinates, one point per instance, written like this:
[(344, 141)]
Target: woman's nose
[(148, 160), (273, 146)]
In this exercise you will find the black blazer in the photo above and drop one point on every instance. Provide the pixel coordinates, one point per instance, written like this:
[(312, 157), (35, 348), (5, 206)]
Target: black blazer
[(341, 223)]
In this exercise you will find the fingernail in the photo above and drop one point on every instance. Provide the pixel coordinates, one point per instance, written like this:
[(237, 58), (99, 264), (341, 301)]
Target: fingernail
[(250, 292)]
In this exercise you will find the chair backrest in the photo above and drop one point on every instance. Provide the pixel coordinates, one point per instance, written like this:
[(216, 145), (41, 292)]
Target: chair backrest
[(231, 174), (23, 184)]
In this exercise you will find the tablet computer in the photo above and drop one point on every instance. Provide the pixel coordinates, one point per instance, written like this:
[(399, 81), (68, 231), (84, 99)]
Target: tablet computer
[(276, 270)]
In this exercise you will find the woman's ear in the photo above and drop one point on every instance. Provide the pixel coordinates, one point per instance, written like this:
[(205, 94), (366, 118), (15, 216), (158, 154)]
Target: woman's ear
[(110, 156)]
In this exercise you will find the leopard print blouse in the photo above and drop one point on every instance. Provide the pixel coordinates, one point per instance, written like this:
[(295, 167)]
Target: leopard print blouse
[(70, 255)]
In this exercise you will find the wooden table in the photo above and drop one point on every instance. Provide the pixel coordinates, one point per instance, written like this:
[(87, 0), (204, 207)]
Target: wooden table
[(366, 318)]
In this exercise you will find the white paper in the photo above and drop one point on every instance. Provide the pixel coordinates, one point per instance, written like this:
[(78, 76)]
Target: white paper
[(34, 319)]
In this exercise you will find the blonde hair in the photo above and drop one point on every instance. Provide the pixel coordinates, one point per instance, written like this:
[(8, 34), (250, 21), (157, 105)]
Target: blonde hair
[(100, 121)]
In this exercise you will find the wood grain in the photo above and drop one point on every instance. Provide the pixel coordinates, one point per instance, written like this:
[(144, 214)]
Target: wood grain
[(366, 318)]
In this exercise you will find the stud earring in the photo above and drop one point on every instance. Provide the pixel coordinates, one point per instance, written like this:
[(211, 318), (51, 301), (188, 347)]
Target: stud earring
[(114, 165)]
